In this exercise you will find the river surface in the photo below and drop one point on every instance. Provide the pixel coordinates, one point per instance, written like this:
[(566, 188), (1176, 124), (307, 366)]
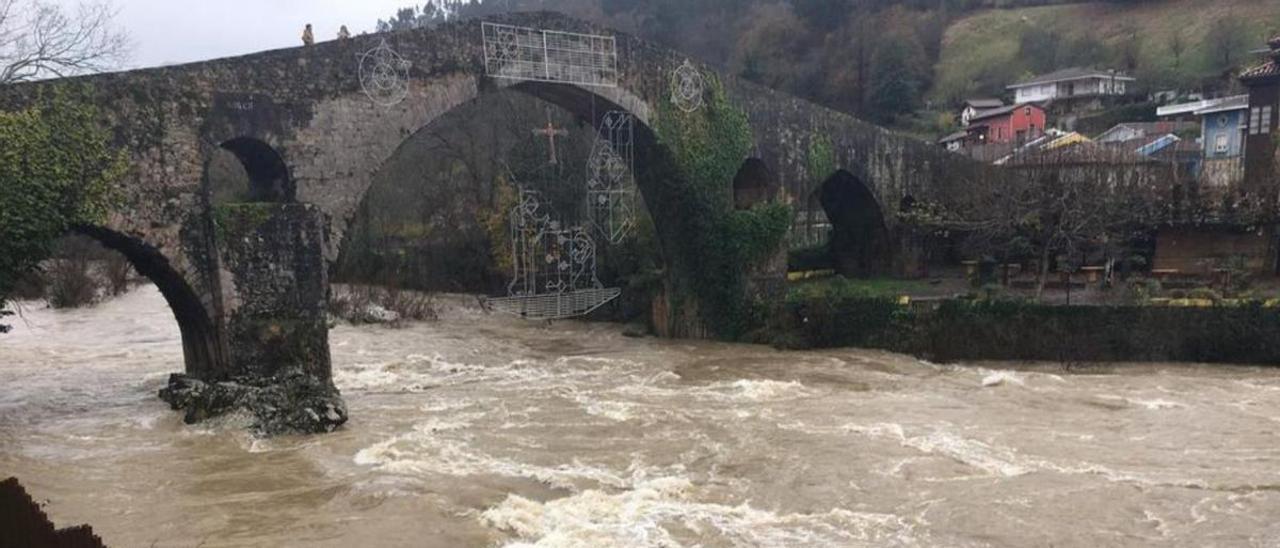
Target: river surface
[(486, 431)]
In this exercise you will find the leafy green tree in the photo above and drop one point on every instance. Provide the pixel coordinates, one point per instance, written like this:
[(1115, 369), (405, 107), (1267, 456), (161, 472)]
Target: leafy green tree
[(57, 170), (427, 16), (896, 77), (824, 15), (1227, 40)]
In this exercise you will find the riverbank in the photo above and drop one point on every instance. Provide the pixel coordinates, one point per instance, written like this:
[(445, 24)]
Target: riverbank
[(843, 314)]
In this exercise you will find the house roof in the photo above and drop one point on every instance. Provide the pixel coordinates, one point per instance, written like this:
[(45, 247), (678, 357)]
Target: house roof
[(1196, 107), (1265, 70), (991, 113), (953, 137), (1226, 104), (1147, 145), (1149, 128), (1065, 139), (1081, 152), (1268, 69), (984, 103), (1180, 151), (1074, 73)]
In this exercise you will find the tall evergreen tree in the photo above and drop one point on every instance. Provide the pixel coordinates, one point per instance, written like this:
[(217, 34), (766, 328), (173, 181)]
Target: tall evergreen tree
[(895, 78)]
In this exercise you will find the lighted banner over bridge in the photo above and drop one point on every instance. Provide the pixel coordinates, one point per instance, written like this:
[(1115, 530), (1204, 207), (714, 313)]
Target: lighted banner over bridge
[(523, 53)]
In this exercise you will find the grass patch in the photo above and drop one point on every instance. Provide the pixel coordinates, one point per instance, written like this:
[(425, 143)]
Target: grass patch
[(839, 286), (980, 52)]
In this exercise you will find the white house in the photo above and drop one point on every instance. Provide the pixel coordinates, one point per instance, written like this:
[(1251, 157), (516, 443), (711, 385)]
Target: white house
[(973, 107), (1071, 83)]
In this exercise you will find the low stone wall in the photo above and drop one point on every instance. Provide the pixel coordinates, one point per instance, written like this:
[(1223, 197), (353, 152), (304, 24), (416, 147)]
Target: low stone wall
[(1011, 330)]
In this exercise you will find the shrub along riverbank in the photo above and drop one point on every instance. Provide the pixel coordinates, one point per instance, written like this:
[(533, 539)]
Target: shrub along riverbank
[(838, 315)]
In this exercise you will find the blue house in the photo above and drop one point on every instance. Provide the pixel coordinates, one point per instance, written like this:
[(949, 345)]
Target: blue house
[(1223, 125)]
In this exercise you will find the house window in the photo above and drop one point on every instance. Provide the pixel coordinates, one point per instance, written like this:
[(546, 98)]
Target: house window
[(1255, 120), (1027, 111), (1220, 143), (1222, 121), (1265, 127)]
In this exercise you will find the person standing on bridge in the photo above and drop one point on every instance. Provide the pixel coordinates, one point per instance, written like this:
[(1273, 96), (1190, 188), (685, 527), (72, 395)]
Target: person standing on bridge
[(307, 37), (343, 33)]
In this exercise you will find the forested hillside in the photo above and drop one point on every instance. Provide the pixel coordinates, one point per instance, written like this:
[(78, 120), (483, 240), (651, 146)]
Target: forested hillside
[(907, 62)]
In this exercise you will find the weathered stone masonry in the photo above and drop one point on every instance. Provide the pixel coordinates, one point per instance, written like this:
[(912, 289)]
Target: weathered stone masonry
[(247, 281)]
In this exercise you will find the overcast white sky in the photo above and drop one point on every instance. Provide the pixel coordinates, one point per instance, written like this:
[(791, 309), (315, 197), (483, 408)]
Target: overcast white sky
[(179, 31)]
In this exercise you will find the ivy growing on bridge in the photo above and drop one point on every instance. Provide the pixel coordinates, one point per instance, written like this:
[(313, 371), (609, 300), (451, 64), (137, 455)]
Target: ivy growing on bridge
[(57, 170), (716, 244), (820, 160)]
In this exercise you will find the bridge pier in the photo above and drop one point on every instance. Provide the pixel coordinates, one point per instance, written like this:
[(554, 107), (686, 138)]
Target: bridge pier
[(274, 286)]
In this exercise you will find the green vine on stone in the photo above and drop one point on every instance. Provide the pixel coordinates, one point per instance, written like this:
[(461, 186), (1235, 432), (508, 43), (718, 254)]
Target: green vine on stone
[(717, 244), (234, 221), (821, 158)]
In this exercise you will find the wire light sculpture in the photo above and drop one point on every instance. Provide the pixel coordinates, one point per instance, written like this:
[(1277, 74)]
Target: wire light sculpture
[(611, 194), (687, 87), (523, 53), (384, 75), (554, 266)]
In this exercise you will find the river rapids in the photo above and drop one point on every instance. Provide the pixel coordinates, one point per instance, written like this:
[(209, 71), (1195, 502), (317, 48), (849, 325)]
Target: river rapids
[(481, 430)]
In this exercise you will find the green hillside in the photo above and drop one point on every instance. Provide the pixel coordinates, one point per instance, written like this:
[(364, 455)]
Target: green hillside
[(1166, 43)]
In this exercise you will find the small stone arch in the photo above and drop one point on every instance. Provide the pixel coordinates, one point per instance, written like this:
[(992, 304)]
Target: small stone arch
[(202, 353), (859, 244), (263, 175), (753, 184)]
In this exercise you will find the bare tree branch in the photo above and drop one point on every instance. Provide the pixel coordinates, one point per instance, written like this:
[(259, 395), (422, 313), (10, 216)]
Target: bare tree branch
[(41, 40)]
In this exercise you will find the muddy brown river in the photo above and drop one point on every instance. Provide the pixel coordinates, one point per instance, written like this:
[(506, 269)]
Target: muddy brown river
[(486, 431)]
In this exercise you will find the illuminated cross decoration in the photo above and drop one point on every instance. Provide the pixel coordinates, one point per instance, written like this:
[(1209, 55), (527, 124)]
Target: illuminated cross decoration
[(550, 132)]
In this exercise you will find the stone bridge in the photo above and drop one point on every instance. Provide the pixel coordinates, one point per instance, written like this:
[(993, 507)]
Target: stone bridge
[(248, 283)]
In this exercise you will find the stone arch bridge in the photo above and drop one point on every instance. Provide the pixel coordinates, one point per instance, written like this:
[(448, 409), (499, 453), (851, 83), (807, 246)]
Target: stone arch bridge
[(248, 285)]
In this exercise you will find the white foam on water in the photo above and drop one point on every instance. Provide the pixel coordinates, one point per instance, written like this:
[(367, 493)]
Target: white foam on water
[(421, 372), (763, 390), (661, 392), (997, 378), (992, 459), (1156, 403), (657, 512), (1152, 404), (1006, 462), (996, 460), (1161, 526), (424, 452), (612, 410)]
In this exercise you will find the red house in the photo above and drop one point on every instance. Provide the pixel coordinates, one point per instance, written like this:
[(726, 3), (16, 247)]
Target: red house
[(1012, 124)]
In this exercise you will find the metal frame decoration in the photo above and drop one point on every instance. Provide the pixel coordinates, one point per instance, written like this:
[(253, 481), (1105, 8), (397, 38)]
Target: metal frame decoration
[(554, 267), (523, 53), (611, 194), (384, 75), (687, 87)]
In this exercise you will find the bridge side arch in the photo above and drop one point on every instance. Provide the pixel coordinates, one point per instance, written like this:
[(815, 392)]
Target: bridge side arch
[(859, 243), (755, 183), (264, 167), (202, 352)]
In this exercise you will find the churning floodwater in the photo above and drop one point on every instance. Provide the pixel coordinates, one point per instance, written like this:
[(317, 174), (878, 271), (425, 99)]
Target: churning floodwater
[(486, 431)]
